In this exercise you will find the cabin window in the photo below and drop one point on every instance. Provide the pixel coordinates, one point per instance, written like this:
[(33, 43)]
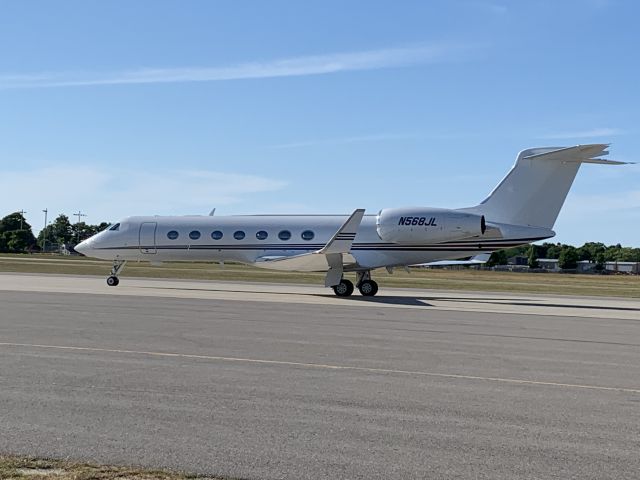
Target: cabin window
[(115, 227), (308, 235), (284, 235), (216, 235), (262, 235), (172, 235), (194, 234), (238, 235)]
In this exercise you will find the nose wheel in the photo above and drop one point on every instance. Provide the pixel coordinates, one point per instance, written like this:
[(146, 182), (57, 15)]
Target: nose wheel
[(113, 279)]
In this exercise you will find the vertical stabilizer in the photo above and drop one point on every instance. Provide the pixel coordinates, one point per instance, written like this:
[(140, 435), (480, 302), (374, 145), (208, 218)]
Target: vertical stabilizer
[(536, 187)]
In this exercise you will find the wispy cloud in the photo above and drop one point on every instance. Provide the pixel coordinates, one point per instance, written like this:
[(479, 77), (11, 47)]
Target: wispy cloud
[(347, 140), (108, 194), (286, 67), (594, 132), (378, 137)]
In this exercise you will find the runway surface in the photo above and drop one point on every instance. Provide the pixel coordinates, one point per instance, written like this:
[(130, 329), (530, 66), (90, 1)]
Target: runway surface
[(283, 381)]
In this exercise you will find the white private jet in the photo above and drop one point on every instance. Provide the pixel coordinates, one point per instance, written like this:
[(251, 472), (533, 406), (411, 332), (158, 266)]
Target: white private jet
[(521, 209)]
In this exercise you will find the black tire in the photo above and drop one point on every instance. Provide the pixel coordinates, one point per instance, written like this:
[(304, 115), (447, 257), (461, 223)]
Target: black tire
[(368, 288), (113, 281), (344, 288)]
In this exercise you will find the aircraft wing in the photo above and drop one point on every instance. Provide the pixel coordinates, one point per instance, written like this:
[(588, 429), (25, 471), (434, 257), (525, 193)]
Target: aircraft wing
[(332, 258), (306, 262), (477, 260)]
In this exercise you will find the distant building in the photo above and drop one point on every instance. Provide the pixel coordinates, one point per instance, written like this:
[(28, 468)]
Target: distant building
[(622, 267), (518, 260), (550, 264), (585, 266)]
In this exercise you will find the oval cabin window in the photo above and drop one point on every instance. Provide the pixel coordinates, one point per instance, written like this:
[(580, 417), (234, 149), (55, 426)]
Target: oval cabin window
[(284, 235)]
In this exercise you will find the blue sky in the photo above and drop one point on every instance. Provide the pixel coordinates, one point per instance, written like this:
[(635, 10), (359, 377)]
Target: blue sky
[(155, 107)]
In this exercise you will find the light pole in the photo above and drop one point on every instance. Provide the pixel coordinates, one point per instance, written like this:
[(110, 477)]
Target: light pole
[(22, 212), (44, 231), (79, 215)]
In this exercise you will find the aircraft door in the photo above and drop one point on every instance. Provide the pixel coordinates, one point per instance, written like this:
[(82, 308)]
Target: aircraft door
[(148, 237)]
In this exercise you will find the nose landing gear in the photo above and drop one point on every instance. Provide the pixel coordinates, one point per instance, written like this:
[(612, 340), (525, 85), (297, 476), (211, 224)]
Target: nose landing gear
[(113, 279)]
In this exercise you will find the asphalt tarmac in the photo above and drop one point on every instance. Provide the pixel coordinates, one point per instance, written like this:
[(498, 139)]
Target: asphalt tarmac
[(280, 381)]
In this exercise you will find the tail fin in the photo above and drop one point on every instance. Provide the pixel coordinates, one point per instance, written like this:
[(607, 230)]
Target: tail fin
[(534, 191)]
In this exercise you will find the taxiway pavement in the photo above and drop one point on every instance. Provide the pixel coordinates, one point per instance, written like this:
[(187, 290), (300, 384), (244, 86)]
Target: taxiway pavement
[(281, 381)]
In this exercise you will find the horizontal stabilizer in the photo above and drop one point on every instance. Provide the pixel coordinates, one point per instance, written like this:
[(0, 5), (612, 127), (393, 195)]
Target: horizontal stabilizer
[(579, 153)]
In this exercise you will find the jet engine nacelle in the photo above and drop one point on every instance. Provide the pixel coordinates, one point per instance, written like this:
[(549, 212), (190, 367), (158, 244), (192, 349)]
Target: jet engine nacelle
[(427, 225)]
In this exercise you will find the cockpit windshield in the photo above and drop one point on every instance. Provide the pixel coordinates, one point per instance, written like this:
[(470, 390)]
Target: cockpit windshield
[(114, 228)]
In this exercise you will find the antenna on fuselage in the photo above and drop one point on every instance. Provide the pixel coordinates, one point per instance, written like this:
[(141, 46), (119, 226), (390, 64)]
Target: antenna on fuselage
[(212, 212)]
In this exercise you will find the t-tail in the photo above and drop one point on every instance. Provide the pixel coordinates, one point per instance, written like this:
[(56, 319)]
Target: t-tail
[(536, 187)]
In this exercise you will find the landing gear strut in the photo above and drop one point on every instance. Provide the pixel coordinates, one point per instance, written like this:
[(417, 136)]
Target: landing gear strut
[(113, 279), (367, 287)]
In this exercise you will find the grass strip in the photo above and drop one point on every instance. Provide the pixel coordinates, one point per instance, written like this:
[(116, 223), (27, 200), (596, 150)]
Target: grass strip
[(29, 468), (471, 280)]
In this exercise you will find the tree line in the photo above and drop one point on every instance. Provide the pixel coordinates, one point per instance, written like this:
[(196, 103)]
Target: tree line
[(16, 235), (568, 256)]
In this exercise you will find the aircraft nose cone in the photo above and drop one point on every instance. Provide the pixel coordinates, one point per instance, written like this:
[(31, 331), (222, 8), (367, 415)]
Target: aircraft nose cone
[(82, 247)]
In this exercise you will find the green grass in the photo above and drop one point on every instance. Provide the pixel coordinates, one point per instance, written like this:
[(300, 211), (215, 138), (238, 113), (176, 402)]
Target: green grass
[(26, 468), (470, 280)]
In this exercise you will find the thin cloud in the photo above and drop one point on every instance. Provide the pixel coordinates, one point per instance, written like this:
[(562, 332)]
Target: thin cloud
[(381, 137), (107, 194), (346, 140), (287, 67), (594, 132)]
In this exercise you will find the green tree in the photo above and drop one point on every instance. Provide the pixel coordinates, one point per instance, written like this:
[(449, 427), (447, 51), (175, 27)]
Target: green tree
[(60, 231), (16, 234), (499, 257), (568, 259), (533, 257), (554, 250)]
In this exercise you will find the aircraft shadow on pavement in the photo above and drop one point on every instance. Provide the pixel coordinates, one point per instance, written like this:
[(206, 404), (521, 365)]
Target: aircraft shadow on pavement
[(418, 301), (395, 300), (531, 303)]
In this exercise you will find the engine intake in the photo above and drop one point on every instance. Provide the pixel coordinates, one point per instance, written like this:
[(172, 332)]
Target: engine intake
[(427, 225)]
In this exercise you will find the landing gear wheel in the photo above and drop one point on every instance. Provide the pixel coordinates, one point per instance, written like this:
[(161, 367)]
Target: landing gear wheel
[(368, 288), (113, 281), (344, 288)]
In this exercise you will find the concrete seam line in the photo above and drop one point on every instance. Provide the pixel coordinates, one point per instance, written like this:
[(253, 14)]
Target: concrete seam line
[(326, 366)]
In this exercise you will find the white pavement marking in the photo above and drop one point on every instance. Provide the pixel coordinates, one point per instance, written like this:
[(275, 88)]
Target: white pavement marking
[(326, 366), (427, 300)]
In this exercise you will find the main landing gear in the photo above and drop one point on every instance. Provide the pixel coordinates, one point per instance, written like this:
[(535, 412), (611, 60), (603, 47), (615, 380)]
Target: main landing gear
[(113, 279), (366, 286)]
